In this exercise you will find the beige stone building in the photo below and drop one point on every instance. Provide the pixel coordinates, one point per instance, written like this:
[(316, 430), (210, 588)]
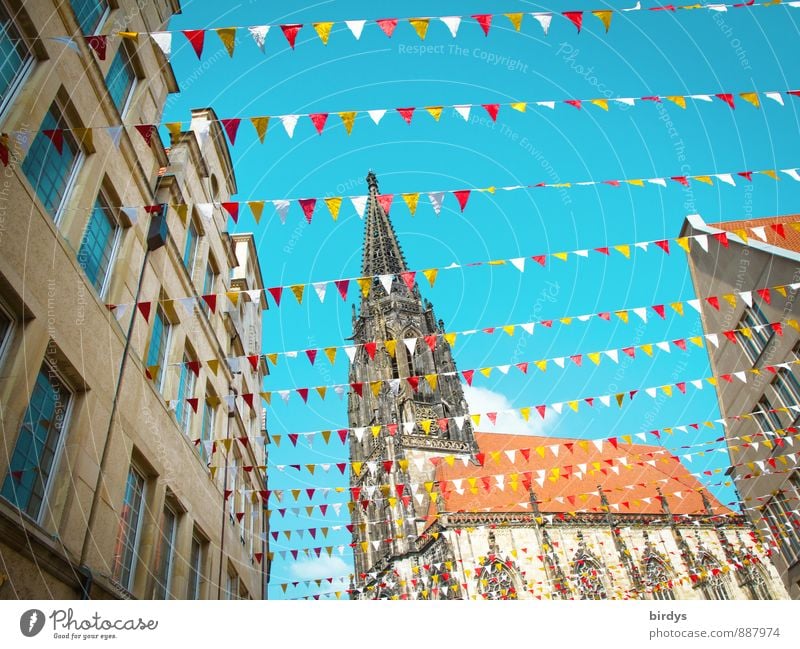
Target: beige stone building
[(166, 502), (763, 413)]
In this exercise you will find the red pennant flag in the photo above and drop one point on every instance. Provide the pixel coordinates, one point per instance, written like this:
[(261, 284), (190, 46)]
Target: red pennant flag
[(748, 175), (431, 340), (590, 401), (727, 98), (193, 403), (303, 392), (248, 399), (480, 457), (406, 113), (577, 359), (232, 208), (392, 428), (312, 355), (722, 237), (462, 196), (290, 32), (492, 109), (196, 38), (413, 381), (56, 136), (153, 209), (342, 432), (442, 423), (4, 149), (523, 367), (575, 17), (613, 183), (276, 292), (387, 25), (681, 386), (341, 286), (573, 102), (408, 278), (98, 44), (231, 127), (603, 251), (777, 327), (387, 465), (659, 309), (683, 180), (680, 343), (341, 466), (765, 294), (371, 348), (541, 410), (546, 323), (540, 259), (293, 438), (468, 375), (358, 388), (308, 205), (194, 367), (485, 21), (144, 309), (630, 351), (779, 230), (664, 245), (211, 301), (385, 201), (253, 360), (259, 556), (604, 315), (146, 131), (526, 453), (319, 119), (713, 301), (794, 93)]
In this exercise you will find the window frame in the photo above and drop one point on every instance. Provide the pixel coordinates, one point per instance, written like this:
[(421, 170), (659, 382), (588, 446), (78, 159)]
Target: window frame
[(100, 21), (187, 385), (195, 580), (786, 386), (777, 510), (206, 430), (753, 318), (127, 62), (8, 335), (191, 228), (765, 412), (134, 559), (167, 337), (24, 70), (115, 245), (165, 588)]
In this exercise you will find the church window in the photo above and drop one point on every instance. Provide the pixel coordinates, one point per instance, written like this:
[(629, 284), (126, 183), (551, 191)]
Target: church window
[(657, 579), (496, 580), (715, 583), (588, 578)]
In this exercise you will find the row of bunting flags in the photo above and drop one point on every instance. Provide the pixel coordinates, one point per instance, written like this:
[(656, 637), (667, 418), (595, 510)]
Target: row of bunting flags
[(21, 139), (228, 36), (624, 316), (408, 278)]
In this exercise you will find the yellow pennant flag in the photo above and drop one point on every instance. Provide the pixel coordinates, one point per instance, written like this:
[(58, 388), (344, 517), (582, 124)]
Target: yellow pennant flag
[(560, 255), (647, 348), (433, 380), (348, 118), (525, 412), (704, 179), (677, 307), (174, 129), (375, 386), (364, 283), (298, 289), (678, 100), (451, 339), (322, 391), (771, 173), (134, 36), (780, 289), (566, 321), (376, 430), (603, 103), (540, 451), (430, 275), (435, 111), (357, 467), (486, 371), (605, 18), (85, 137), (636, 182), (450, 459), (420, 26), (228, 37), (573, 405), (403, 464), (509, 329), (425, 424), (476, 419), (213, 365), (730, 298), (183, 212), (330, 352), (542, 365), (516, 20), (333, 204), (311, 468), (622, 315), (391, 346), (741, 233), (411, 200), (751, 97), (696, 340), (667, 389), (594, 357), (625, 250), (233, 296), (323, 31), (683, 242), (260, 124), (257, 208), (520, 106)]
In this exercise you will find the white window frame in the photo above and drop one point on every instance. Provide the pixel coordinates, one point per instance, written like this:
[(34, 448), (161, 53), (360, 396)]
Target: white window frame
[(21, 77), (138, 532), (114, 246), (58, 217)]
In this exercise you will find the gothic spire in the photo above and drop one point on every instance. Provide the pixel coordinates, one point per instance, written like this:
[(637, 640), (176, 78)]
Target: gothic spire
[(382, 252)]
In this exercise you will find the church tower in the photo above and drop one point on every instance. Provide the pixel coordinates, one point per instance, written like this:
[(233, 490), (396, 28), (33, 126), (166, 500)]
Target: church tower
[(406, 404)]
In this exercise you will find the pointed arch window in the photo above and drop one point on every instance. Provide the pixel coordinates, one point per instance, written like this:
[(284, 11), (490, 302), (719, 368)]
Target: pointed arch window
[(498, 580), (589, 578), (657, 578), (715, 583)]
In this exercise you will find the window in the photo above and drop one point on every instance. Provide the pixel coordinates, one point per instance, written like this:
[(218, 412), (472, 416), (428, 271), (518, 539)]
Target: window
[(715, 584), (755, 340), (658, 580), (38, 444), (121, 79), (89, 14), (49, 172), (207, 430), (232, 586), (98, 245), (126, 552), (190, 251), (209, 285), (15, 60), (787, 387), (186, 383), (233, 471), (766, 418), (783, 523), (496, 581), (159, 346), (165, 555), (588, 578), (196, 559), (6, 327)]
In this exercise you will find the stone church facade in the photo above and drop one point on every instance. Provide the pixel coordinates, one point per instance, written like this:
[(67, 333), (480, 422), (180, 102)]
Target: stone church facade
[(446, 512)]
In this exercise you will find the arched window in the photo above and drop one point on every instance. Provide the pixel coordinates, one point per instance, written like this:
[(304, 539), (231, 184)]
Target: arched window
[(589, 578), (497, 580), (756, 583), (715, 583), (657, 579)]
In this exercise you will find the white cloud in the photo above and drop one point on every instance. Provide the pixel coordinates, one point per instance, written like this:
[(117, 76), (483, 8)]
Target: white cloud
[(320, 568), (482, 400)]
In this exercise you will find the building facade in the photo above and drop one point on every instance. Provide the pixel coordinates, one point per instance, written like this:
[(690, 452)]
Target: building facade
[(445, 512), (133, 482), (758, 261)]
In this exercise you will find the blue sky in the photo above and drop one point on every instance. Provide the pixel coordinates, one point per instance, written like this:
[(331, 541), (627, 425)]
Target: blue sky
[(645, 53)]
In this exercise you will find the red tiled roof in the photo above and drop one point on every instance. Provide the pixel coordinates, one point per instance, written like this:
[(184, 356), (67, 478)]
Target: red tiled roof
[(791, 241), (646, 466)]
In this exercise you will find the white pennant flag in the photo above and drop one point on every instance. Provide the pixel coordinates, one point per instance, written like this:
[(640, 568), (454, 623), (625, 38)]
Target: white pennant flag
[(511, 455), (741, 376), (663, 346), (459, 422), (259, 34), (284, 395), (436, 199), (359, 204), (320, 288), (206, 210), (504, 368), (282, 207), (289, 122), (657, 181), (518, 263), (527, 327), (792, 173), (453, 23), (164, 42), (627, 101), (376, 115), (463, 110), (760, 233), (559, 361), (641, 312), (651, 392), (558, 407), (747, 297), (386, 282), (605, 400), (121, 310), (613, 354), (355, 27), (726, 178), (350, 350), (713, 339), (130, 213), (700, 97), (188, 304), (695, 304), (115, 133), (359, 433), (394, 386), (408, 427), (547, 104), (544, 20), (775, 96), (702, 239), (411, 345)]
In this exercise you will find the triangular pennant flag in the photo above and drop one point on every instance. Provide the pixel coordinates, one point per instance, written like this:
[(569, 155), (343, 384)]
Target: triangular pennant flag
[(387, 25), (544, 20), (228, 37), (196, 38), (575, 17), (260, 124), (289, 122), (348, 117), (355, 27), (318, 120), (452, 23), (323, 31), (420, 26), (290, 32), (485, 21), (605, 18), (259, 34)]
